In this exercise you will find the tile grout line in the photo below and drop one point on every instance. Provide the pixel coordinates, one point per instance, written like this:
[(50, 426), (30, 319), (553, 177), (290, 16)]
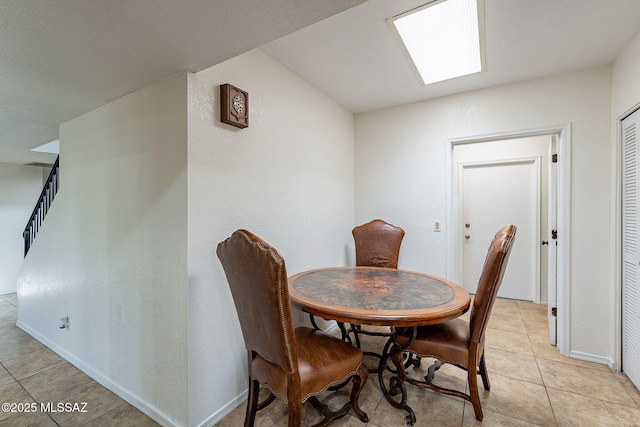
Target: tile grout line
[(535, 358), (29, 394)]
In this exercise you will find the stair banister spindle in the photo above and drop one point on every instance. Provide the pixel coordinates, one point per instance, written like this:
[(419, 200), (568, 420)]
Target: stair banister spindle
[(42, 206)]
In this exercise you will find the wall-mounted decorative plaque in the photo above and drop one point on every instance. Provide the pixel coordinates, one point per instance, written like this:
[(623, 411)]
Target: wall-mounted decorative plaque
[(234, 106)]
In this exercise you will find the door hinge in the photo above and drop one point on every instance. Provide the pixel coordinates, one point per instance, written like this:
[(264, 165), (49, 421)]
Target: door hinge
[(554, 234), (554, 311), (554, 158)]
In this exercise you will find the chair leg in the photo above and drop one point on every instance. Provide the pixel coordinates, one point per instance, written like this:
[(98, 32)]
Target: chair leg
[(359, 380), (252, 403), (472, 375), (295, 413), (329, 416), (484, 374)]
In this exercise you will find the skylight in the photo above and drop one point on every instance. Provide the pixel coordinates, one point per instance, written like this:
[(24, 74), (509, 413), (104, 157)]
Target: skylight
[(442, 39)]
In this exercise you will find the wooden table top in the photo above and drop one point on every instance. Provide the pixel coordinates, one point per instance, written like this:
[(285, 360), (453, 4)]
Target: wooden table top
[(377, 296)]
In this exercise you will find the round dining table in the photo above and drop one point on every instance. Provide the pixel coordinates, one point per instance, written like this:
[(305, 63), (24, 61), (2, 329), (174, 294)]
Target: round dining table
[(383, 297)]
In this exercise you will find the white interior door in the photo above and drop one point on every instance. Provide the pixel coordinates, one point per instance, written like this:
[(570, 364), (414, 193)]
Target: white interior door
[(630, 249), (552, 245), (495, 194)]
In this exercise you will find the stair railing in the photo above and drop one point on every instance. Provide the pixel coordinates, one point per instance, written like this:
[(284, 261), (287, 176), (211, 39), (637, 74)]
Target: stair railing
[(42, 206)]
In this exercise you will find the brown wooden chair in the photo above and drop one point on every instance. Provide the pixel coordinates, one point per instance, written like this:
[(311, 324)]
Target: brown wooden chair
[(377, 244), (460, 342), (294, 364)]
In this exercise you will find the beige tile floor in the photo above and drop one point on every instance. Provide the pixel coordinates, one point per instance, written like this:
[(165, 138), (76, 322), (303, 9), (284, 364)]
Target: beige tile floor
[(31, 375), (531, 385)]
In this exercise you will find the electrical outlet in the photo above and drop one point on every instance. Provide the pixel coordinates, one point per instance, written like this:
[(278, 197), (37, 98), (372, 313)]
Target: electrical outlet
[(64, 323)]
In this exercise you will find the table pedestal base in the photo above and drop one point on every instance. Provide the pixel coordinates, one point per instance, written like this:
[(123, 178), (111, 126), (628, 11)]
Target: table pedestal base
[(394, 352)]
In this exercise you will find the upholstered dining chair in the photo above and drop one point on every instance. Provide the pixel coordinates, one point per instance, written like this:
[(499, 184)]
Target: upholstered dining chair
[(377, 244), (295, 364), (460, 342)]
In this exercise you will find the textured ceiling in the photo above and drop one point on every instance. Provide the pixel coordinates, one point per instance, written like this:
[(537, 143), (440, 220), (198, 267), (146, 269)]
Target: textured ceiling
[(355, 59), (62, 58)]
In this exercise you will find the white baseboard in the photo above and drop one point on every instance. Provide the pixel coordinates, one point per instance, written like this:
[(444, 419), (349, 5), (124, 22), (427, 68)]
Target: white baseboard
[(224, 411), (151, 411), (593, 358)]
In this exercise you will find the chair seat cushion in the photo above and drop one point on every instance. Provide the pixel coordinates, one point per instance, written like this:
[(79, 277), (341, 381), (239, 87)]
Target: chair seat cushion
[(323, 361), (447, 341)]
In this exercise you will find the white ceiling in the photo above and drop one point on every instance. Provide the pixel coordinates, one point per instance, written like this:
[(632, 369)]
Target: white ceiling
[(62, 58), (355, 59)]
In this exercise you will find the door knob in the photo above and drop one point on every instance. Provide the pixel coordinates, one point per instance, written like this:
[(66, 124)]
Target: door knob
[(466, 236)]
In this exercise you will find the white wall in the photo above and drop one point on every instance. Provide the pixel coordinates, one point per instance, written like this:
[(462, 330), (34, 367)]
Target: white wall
[(112, 254), (20, 187), (400, 177), (625, 91), (287, 178)]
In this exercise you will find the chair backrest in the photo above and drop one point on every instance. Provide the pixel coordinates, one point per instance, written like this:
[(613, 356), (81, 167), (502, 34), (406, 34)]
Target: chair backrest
[(258, 281), (490, 280), (377, 244)]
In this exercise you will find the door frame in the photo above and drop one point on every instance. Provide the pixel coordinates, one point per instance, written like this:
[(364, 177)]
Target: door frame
[(563, 291), (535, 161)]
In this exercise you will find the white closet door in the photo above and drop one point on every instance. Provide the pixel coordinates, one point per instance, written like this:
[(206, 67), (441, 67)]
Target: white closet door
[(631, 249)]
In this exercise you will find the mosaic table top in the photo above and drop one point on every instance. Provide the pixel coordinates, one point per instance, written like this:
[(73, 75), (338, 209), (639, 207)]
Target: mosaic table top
[(377, 296)]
